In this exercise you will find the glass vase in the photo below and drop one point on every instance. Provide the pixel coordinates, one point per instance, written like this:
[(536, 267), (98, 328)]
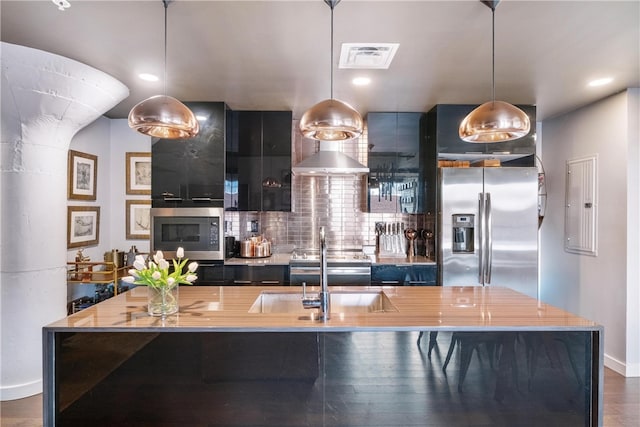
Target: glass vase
[(162, 301)]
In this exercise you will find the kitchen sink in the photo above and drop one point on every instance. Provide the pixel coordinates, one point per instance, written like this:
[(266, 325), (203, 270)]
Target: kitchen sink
[(341, 302)]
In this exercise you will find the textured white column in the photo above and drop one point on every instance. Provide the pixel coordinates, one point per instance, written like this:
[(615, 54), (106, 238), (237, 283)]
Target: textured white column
[(46, 99)]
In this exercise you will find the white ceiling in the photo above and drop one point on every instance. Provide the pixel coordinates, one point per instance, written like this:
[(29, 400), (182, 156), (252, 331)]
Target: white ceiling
[(275, 54)]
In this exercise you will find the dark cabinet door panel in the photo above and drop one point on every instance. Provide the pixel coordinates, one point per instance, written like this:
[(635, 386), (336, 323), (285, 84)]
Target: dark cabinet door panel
[(188, 172), (276, 275), (259, 161), (395, 162), (407, 275), (168, 178), (204, 153)]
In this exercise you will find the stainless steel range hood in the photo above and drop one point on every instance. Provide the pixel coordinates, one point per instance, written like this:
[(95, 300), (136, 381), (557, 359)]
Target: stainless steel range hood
[(329, 161)]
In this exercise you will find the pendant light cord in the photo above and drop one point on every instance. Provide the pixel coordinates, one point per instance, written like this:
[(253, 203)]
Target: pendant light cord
[(493, 53), (166, 5), (331, 50)]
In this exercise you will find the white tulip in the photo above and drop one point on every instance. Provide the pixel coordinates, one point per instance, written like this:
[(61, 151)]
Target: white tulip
[(193, 266), (156, 275), (180, 253), (191, 277), (163, 264), (152, 265), (140, 258), (134, 273), (171, 281), (158, 256), (128, 279), (139, 265)]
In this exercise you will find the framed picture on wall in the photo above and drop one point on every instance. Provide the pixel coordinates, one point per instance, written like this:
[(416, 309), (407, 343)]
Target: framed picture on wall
[(138, 219), (82, 173), (138, 167), (83, 226)]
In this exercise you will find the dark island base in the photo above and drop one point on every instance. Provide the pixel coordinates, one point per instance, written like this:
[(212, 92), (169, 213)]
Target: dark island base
[(326, 379)]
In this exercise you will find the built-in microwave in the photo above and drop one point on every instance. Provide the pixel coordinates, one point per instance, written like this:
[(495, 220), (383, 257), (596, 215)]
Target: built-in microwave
[(197, 230)]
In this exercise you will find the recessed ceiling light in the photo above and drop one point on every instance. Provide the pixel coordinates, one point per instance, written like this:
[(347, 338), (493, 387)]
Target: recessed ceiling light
[(361, 81), (600, 82), (201, 118), (367, 55), (62, 4), (148, 77)]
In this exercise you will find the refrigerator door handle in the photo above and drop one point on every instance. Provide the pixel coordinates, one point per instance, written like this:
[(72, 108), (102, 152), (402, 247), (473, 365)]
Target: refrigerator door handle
[(489, 239), (480, 238)]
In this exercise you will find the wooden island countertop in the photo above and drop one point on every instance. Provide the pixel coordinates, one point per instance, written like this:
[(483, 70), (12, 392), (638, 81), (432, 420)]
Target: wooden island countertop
[(230, 365), (226, 308)]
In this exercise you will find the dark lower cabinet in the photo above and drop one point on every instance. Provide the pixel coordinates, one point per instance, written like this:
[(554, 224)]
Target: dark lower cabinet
[(407, 275), (275, 275), (210, 273)]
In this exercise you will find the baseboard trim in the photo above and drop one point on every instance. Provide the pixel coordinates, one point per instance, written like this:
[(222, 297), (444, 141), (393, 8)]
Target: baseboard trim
[(20, 391), (622, 368), (633, 370)]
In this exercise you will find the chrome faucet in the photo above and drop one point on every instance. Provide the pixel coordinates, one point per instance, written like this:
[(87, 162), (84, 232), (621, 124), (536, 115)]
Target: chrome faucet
[(323, 299)]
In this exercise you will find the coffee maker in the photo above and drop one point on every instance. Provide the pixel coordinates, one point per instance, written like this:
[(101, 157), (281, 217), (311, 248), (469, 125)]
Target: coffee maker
[(230, 249)]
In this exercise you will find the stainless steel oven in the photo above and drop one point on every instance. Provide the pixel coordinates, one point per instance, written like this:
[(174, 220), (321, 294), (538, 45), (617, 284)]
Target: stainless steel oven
[(197, 230), (343, 268)]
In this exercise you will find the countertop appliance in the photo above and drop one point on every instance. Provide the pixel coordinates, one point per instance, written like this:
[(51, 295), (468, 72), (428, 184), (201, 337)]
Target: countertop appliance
[(197, 230), (344, 267), (488, 227), (229, 247)]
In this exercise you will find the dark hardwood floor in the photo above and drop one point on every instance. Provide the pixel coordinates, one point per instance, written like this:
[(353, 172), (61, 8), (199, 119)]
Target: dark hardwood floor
[(621, 395)]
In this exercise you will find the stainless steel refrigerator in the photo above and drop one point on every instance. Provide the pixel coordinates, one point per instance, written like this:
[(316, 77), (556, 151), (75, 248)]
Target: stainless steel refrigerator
[(488, 227)]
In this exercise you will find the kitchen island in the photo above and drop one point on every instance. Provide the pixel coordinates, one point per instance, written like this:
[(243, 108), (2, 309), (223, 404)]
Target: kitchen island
[(252, 356)]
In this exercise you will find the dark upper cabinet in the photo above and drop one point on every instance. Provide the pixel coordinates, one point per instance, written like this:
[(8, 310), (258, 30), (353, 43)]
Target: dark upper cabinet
[(190, 172), (443, 132), (259, 161), (395, 162)]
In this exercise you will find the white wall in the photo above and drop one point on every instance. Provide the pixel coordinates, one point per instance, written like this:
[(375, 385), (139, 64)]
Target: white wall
[(109, 140), (594, 287), (633, 233), (123, 140), (94, 139)]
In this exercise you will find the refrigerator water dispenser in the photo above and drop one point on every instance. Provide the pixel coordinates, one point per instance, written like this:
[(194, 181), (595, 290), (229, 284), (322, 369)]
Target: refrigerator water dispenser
[(462, 228)]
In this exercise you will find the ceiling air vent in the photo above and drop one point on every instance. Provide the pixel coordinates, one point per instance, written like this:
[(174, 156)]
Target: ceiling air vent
[(367, 55)]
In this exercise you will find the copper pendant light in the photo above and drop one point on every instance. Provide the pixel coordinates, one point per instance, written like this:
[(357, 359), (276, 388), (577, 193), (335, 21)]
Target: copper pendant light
[(331, 119), (163, 116), (494, 121)]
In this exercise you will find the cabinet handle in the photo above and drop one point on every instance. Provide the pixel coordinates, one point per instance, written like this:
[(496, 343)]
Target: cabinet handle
[(242, 282), (201, 199), (417, 282), (389, 282), (173, 199), (270, 282)]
